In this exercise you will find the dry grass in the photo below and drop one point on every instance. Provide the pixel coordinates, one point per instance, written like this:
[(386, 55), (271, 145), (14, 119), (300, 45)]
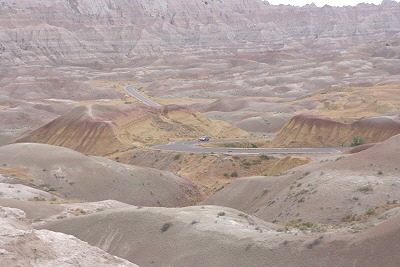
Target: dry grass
[(3, 107), (17, 172), (370, 212)]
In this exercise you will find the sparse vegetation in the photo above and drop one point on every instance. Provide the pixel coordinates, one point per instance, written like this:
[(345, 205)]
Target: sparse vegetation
[(265, 191), (165, 227), (264, 157), (47, 188), (234, 174), (365, 188), (79, 211), (304, 175), (339, 158), (305, 226), (358, 140), (176, 157), (352, 218), (249, 162), (370, 211), (37, 199), (221, 213), (316, 242)]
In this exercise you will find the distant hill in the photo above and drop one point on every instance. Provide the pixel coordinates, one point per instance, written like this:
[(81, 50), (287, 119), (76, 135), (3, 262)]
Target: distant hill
[(101, 130)]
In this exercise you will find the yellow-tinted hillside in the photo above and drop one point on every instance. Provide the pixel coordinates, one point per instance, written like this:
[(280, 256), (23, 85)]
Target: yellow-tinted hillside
[(101, 130), (310, 130)]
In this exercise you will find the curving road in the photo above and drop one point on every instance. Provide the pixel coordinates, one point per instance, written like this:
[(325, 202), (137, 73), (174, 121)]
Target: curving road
[(130, 89), (193, 146)]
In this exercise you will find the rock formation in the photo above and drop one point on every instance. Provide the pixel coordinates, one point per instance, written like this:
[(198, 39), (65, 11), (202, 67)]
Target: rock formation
[(89, 32)]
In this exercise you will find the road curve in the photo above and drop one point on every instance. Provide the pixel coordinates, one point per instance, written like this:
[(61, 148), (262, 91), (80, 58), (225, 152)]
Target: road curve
[(193, 146), (130, 89)]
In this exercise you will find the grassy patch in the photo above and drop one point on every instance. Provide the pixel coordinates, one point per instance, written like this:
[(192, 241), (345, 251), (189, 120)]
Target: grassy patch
[(305, 226), (37, 199)]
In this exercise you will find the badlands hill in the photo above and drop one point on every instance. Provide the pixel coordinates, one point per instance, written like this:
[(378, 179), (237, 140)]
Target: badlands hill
[(100, 130), (218, 236), (250, 113), (309, 130), (72, 175), (332, 191), (21, 245), (350, 103), (344, 104), (18, 117)]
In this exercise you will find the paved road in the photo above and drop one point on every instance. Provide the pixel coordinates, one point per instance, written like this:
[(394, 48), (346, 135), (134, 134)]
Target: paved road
[(130, 89), (193, 146)]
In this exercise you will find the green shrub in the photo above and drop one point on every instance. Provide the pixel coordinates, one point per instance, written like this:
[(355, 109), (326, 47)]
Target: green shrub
[(358, 140), (234, 174), (246, 163), (370, 211), (165, 227)]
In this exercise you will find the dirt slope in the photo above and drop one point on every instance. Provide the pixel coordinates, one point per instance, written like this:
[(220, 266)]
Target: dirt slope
[(99, 130), (217, 236), (332, 191), (73, 175), (213, 171), (308, 130)]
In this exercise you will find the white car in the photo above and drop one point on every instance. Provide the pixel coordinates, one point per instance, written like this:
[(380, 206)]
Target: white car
[(204, 138)]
